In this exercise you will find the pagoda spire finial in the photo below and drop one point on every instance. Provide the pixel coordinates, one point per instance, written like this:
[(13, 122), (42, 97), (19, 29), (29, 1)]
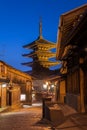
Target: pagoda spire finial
[(40, 28)]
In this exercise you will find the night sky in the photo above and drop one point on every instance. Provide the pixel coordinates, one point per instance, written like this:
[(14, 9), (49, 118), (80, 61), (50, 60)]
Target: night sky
[(19, 25)]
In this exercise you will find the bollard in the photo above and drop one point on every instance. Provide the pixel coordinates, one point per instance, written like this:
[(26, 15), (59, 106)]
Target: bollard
[(44, 100)]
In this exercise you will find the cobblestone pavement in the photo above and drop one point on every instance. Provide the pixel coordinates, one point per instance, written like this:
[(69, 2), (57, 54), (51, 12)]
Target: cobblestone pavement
[(22, 119), (30, 118)]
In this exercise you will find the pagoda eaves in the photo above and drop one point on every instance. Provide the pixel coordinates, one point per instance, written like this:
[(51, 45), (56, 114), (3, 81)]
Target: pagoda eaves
[(41, 55), (46, 64), (40, 43)]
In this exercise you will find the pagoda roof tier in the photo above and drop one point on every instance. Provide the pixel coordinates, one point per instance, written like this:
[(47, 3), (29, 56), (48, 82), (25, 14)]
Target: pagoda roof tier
[(45, 74), (41, 43), (46, 64), (40, 54)]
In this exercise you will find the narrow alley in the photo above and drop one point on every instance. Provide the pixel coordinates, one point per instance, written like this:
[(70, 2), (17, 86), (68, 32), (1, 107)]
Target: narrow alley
[(30, 118), (27, 118)]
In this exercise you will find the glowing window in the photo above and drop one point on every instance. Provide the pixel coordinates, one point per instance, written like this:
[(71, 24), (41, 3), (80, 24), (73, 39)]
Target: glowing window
[(23, 97)]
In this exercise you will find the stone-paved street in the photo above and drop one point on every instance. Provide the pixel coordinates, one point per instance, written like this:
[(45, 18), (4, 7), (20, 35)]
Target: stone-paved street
[(22, 119), (30, 118)]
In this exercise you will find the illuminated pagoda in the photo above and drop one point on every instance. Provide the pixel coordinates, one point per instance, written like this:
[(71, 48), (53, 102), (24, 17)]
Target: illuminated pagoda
[(41, 55)]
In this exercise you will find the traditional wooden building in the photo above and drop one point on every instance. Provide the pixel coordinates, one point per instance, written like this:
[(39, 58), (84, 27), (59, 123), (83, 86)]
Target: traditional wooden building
[(41, 55), (54, 82), (15, 86), (72, 51)]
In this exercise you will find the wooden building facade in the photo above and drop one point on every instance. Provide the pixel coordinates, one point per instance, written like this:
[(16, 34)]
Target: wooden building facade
[(15, 86), (72, 51)]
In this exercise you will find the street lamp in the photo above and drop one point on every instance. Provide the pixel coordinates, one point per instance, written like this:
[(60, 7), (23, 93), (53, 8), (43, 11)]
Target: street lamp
[(48, 88), (44, 86)]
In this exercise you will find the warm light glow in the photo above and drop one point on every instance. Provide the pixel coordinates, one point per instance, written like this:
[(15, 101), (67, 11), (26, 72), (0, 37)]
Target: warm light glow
[(3, 85), (52, 85), (33, 95), (48, 87), (46, 83), (45, 86), (23, 97)]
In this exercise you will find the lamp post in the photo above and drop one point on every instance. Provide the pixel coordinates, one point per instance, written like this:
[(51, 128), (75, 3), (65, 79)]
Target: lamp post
[(47, 88)]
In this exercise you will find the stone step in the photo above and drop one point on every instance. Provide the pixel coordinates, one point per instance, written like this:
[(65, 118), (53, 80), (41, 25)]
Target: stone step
[(67, 110)]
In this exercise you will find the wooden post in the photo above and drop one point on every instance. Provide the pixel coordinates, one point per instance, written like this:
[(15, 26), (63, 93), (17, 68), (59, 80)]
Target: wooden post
[(82, 90)]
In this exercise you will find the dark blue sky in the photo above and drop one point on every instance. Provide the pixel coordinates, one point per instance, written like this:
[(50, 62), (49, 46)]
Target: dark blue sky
[(19, 25)]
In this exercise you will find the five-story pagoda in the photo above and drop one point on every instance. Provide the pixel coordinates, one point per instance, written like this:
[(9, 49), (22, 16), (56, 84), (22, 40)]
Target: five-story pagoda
[(41, 54)]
